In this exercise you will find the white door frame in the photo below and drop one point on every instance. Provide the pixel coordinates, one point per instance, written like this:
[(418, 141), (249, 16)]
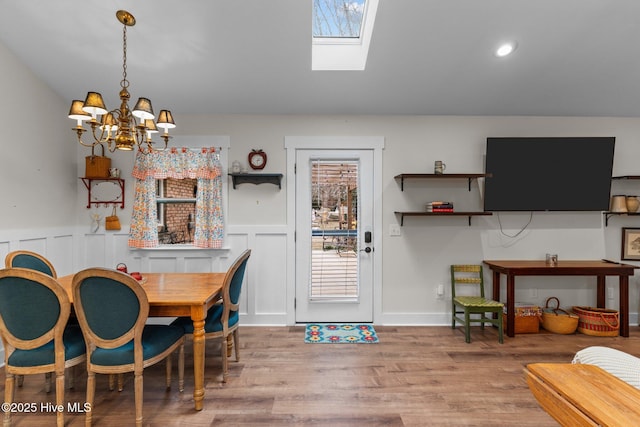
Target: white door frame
[(375, 143)]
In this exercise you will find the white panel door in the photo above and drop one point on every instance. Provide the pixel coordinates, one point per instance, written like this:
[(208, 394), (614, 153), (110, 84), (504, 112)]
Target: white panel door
[(334, 240)]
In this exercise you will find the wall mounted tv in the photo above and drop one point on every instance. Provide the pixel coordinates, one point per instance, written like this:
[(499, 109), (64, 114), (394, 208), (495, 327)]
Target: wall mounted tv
[(548, 174)]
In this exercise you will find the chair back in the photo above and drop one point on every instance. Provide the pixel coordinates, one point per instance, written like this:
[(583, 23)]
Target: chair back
[(34, 309), (232, 286), (111, 307), (470, 277), (30, 260)]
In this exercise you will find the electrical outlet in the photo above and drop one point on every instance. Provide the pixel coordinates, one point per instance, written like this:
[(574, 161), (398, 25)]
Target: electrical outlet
[(394, 230), (610, 292), (440, 291), (533, 293)]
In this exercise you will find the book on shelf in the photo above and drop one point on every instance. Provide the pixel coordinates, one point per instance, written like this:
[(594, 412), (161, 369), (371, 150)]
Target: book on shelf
[(439, 207)]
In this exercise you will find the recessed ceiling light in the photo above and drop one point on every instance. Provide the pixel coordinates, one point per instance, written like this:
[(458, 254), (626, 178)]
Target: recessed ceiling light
[(506, 49)]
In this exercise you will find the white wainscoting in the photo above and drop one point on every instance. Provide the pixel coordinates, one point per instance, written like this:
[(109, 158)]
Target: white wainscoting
[(263, 300)]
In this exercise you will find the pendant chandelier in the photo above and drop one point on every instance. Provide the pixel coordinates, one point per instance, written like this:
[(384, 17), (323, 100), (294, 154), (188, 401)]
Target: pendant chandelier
[(118, 128)]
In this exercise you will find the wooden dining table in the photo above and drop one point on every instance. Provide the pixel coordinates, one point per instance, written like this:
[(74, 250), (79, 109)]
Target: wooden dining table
[(177, 295)]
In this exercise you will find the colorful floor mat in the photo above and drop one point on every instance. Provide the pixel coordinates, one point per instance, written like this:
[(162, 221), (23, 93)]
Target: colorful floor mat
[(340, 333)]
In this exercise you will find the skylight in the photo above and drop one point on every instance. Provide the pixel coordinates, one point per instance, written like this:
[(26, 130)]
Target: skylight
[(337, 18), (342, 31)]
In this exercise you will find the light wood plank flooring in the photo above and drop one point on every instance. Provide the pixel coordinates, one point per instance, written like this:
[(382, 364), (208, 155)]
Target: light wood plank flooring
[(415, 376)]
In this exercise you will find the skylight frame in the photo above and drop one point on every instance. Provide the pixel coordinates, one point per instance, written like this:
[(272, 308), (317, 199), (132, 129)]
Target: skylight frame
[(345, 53)]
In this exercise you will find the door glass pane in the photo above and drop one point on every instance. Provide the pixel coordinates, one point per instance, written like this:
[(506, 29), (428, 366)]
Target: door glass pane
[(334, 230)]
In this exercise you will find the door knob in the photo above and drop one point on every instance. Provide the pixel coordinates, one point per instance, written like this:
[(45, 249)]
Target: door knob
[(367, 250)]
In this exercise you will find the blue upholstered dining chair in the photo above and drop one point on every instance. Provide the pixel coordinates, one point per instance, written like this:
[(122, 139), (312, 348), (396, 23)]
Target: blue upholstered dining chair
[(223, 318), (30, 260), (34, 310), (37, 262), (112, 309)]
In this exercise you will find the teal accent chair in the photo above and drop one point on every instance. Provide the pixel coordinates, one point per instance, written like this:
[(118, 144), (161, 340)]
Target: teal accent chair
[(471, 300), (30, 260), (33, 261), (223, 318), (112, 310), (34, 310)]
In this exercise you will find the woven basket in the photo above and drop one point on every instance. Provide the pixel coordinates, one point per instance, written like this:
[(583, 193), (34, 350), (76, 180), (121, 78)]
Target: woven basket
[(97, 166), (601, 322), (557, 320)]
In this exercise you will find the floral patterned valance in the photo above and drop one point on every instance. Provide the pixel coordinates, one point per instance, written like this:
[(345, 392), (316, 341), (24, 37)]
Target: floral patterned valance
[(178, 163)]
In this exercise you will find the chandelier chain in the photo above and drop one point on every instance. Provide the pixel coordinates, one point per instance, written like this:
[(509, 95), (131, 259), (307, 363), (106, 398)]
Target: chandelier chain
[(124, 83)]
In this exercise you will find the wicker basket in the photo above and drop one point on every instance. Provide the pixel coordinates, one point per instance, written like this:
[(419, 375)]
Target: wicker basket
[(601, 322), (527, 318), (97, 166), (557, 320)]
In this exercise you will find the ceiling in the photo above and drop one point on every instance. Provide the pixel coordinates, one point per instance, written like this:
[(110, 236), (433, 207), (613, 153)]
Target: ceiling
[(432, 57)]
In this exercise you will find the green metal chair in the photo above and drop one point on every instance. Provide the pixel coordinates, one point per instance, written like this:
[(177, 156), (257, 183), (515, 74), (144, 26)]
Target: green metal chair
[(471, 301), (223, 318), (112, 310), (34, 310)]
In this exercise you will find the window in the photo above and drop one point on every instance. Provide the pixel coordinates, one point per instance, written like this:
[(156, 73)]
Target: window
[(176, 210), (336, 18)]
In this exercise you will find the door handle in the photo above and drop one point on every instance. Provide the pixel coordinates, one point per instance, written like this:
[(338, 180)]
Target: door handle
[(367, 250)]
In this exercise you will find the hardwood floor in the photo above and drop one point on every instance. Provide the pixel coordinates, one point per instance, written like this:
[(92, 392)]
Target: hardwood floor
[(415, 376)]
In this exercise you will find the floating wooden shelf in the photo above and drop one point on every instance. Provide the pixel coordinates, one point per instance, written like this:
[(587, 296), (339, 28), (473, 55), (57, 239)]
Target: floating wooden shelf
[(418, 213), (468, 176), (256, 178)]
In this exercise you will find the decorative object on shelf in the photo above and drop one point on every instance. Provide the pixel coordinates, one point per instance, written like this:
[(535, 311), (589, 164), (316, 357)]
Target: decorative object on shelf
[(439, 167), (551, 260), (632, 203), (112, 222), (236, 167), (619, 203), (630, 244), (97, 166), (118, 128), (257, 159), (114, 173)]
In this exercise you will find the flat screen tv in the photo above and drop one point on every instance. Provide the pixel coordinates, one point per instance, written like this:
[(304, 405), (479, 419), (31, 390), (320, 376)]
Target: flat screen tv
[(548, 174)]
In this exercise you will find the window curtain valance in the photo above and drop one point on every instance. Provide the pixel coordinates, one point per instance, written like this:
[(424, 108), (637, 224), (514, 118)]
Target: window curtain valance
[(203, 165)]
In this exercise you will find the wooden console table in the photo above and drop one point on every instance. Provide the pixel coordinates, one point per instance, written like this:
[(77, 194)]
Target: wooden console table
[(598, 268), (583, 395)]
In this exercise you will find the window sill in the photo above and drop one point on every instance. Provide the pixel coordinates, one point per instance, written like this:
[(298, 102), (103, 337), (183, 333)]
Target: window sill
[(180, 247)]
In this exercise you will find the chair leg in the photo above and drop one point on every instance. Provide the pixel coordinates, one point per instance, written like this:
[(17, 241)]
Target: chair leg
[(139, 387), (91, 391), (168, 362), (8, 396), (120, 382), (229, 345), (60, 397), (225, 364), (500, 328), (467, 327), (112, 382), (20, 379), (236, 345), (181, 368)]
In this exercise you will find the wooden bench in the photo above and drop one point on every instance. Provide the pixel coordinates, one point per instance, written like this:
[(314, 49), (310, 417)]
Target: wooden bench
[(583, 395)]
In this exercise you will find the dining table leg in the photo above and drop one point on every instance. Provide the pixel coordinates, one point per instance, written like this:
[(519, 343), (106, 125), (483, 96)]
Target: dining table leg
[(198, 359)]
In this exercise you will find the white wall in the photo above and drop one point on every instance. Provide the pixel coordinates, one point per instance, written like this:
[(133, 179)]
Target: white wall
[(44, 202)]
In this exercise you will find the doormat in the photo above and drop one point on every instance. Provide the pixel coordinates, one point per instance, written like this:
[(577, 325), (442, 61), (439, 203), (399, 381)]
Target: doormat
[(339, 333)]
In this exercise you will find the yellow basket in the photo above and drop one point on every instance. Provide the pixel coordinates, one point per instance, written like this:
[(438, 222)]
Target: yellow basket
[(557, 320)]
